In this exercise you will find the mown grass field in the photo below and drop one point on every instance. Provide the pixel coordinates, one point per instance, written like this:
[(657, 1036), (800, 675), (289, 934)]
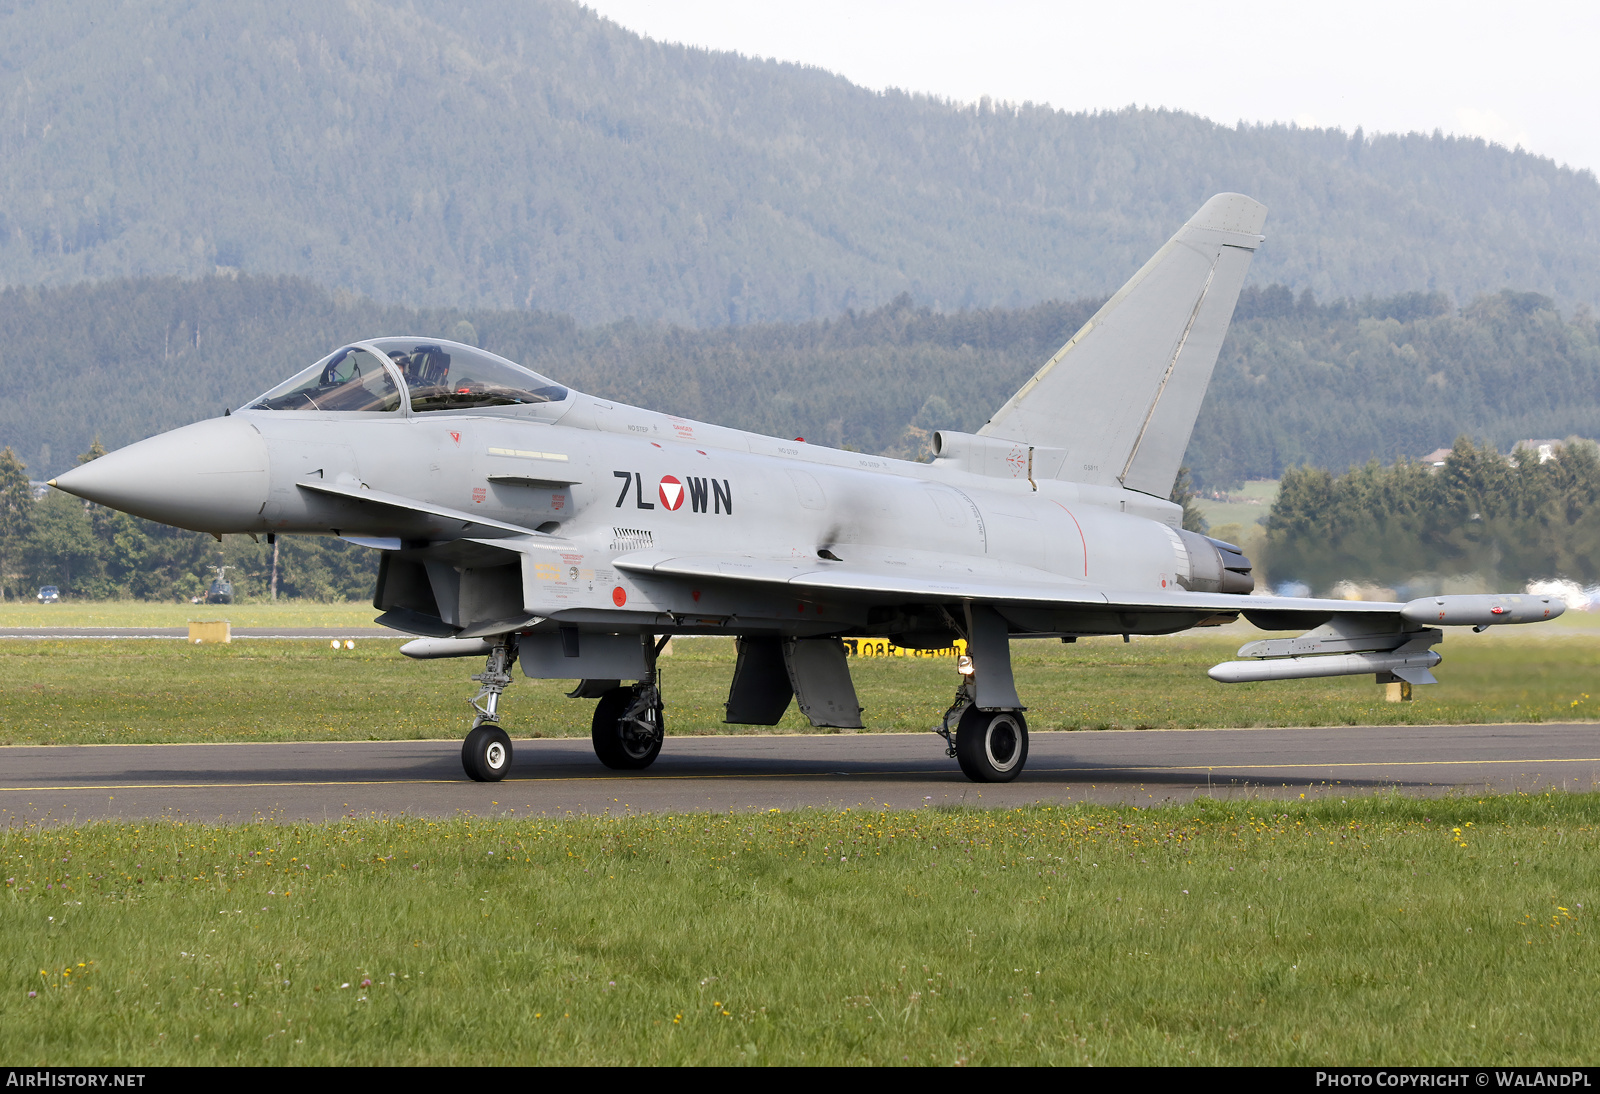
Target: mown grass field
[(1381, 930), (144, 613), (1254, 501), (83, 691)]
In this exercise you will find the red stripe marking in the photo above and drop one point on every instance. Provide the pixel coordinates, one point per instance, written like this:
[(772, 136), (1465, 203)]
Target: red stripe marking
[(1081, 540)]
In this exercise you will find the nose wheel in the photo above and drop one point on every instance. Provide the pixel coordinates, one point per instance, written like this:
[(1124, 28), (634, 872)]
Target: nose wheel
[(486, 753)]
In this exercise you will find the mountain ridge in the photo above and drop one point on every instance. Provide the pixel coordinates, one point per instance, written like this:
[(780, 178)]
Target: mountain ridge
[(535, 155)]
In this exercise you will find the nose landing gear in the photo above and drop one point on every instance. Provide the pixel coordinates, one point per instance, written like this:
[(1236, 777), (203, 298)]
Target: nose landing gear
[(486, 753)]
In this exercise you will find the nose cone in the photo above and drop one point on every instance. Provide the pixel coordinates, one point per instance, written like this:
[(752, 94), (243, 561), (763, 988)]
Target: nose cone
[(210, 476)]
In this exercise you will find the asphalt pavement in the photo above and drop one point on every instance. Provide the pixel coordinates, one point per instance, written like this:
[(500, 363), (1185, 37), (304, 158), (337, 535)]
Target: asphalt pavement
[(319, 781)]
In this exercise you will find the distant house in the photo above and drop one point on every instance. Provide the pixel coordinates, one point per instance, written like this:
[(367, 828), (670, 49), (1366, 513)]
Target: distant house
[(40, 489), (1547, 450)]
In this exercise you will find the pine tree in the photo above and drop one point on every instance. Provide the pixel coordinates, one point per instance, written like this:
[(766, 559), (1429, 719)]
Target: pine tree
[(16, 512), (1183, 492)]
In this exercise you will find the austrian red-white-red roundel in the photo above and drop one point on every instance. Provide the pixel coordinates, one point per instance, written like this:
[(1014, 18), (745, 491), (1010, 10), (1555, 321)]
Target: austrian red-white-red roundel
[(671, 492)]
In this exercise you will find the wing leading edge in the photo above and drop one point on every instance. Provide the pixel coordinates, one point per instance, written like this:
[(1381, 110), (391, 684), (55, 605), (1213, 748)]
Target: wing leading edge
[(903, 576), (410, 518)]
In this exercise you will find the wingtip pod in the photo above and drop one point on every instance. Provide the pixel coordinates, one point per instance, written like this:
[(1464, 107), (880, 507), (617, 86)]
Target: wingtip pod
[(1397, 653), (1482, 610)]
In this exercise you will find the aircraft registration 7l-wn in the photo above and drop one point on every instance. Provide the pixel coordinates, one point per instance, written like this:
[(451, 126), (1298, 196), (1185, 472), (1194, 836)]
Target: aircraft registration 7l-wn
[(530, 524)]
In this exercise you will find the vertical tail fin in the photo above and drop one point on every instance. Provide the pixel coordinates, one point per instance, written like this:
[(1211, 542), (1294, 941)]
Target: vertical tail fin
[(1120, 398)]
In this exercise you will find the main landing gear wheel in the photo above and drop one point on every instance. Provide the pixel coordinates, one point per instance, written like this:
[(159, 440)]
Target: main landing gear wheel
[(991, 745), (486, 754), (628, 728)]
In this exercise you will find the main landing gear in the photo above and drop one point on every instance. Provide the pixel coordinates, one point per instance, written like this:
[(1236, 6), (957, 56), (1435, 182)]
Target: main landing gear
[(486, 753), (984, 729), (628, 725), (990, 745)]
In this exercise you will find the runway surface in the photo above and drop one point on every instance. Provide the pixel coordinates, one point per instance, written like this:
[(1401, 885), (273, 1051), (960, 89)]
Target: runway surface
[(318, 781)]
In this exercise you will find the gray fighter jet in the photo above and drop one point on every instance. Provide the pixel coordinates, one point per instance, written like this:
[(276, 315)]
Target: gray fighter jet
[(530, 524)]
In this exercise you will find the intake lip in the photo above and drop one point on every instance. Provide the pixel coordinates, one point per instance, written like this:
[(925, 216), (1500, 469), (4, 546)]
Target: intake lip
[(211, 476)]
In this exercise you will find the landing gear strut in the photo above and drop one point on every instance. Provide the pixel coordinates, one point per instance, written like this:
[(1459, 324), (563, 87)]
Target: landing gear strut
[(990, 742), (486, 753), (629, 725), (964, 699)]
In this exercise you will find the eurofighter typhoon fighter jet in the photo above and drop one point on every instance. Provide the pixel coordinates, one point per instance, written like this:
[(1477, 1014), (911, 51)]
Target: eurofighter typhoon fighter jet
[(530, 524)]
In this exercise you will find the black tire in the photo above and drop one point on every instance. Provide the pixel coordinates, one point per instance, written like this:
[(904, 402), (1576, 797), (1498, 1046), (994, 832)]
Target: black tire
[(621, 746), (486, 754), (991, 745)]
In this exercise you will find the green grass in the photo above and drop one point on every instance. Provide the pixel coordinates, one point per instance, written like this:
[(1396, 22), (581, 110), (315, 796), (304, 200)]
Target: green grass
[(1379, 931), (1255, 499), (84, 691), (144, 613)]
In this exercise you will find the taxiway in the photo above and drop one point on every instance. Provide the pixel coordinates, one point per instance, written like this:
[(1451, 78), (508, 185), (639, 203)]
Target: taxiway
[(318, 781)]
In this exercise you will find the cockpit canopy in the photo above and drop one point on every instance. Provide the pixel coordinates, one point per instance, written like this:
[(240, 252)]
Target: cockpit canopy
[(429, 375)]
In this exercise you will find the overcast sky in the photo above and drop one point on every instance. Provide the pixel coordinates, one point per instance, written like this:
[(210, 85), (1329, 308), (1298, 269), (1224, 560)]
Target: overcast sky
[(1525, 73)]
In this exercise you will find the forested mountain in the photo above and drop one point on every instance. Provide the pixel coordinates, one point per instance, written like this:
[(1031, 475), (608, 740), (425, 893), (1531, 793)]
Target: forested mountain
[(1298, 382), (529, 154), (1336, 385)]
